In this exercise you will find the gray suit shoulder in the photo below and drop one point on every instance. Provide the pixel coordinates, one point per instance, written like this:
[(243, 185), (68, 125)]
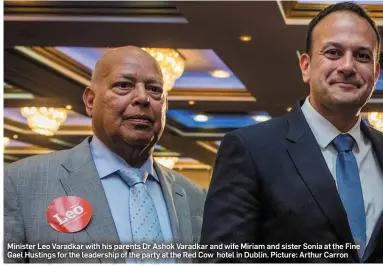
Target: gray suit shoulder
[(185, 183), (36, 160), (188, 185), (34, 166), (195, 193)]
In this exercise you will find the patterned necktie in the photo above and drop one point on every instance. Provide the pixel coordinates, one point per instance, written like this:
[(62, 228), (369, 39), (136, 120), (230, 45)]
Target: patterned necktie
[(144, 221), (350, 189)]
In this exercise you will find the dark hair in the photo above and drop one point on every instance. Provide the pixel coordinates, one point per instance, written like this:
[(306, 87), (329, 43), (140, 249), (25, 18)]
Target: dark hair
[(342, 6)]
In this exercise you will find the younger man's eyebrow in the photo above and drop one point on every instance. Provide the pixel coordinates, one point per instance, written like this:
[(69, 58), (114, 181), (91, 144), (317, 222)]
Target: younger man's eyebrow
[(334, 44)]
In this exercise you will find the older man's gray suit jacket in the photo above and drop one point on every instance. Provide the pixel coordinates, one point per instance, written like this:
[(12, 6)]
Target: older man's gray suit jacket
[(31, 184)]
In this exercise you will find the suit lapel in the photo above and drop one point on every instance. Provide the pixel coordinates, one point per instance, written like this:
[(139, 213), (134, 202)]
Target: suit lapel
[(177, 205), (377, 235), (309, 161), (83, 181), (376, 139)]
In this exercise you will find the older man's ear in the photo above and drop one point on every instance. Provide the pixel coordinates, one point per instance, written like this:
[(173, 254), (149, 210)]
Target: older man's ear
[(88, 98)]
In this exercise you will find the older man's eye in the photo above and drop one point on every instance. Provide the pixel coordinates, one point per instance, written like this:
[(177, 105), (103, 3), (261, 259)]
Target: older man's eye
[(155, 89), (123, 85)]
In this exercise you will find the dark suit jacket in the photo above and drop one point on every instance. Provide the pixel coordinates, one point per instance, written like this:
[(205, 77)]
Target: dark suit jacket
[(271, 185)]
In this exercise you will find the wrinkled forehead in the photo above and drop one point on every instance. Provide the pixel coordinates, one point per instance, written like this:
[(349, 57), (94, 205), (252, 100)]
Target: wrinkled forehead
[(141, 67), (138, 69)]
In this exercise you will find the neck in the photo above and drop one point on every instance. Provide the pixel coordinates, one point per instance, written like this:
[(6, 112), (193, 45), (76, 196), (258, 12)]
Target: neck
[(134, 155), (341, 117)]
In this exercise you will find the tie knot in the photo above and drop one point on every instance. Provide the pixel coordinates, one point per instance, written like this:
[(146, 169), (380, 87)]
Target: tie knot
[(343, 143), (131, 176)]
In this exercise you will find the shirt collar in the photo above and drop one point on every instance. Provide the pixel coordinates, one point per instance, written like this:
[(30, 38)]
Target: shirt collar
[(324, 131), (107, 162)]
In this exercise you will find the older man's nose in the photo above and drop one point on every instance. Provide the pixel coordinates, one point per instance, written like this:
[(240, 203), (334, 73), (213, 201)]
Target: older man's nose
[(141, 96)]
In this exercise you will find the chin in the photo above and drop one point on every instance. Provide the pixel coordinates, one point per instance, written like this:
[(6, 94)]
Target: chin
[(348, 102)]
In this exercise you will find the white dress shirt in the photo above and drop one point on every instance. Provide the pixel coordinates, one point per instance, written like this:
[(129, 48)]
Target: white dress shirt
[(371, 175)]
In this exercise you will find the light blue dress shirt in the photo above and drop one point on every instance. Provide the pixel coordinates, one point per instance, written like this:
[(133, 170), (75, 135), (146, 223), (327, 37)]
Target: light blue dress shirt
[(117, 191)]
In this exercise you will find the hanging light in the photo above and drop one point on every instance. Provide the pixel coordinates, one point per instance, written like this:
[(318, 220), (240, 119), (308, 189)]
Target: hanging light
[(376, 120), (168, 162), (171, 63), (43, 120)]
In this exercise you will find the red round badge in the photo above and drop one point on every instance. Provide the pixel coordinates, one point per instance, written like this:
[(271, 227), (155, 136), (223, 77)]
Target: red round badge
[(69, 214)]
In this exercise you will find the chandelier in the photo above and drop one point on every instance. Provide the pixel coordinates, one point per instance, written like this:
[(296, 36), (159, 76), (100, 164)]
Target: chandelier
[(168, 162), (171, 63), (376, 120), (44, 121)]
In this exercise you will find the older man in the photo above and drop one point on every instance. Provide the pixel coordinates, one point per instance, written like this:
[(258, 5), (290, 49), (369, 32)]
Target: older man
[(134, 200), (308, 186)]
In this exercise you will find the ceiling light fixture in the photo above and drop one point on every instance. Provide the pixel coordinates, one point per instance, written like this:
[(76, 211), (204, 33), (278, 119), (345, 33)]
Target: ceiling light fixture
[(68, 107), (191, 102), (376, 120), (15, 136), (171, 63), (201, 118), (43, 120), (245, 38), (220, 74), (261, 118), (168, 162)]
